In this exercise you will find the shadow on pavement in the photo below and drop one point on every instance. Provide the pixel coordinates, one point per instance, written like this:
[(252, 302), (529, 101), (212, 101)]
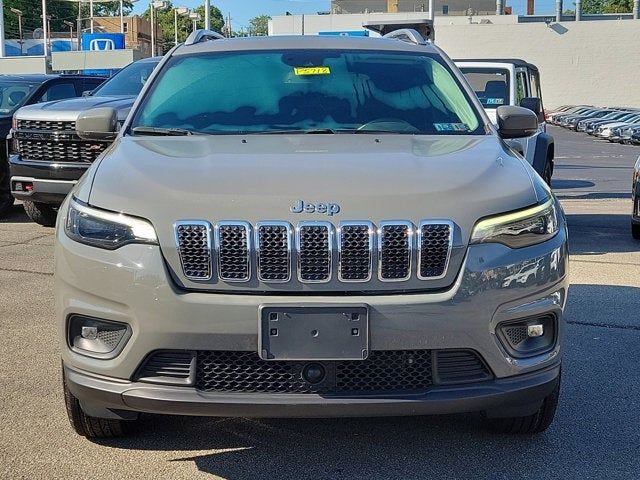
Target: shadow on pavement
[(600, 233), (16, 215)]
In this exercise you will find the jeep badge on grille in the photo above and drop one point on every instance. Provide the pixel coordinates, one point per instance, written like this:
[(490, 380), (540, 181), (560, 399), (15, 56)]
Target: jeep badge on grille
[(327, 208)]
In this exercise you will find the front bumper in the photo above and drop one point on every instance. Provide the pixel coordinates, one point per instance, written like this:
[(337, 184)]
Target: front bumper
[(131, 285), (50, 181), (111, 398)]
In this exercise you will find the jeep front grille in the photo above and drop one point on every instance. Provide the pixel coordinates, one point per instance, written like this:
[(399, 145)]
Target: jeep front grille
[(434, 245), (355, 251), (273, 246), (314, 246), (194, 241), (395, 246), (55, 142), (232, 245)]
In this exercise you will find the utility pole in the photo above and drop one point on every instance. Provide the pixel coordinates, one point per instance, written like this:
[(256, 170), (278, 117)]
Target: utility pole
[(45, 28), (90, 14), (19, 14), (207, 15), (1, 29)]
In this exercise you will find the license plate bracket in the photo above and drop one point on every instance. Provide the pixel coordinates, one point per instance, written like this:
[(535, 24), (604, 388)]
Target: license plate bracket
[(311, 333)]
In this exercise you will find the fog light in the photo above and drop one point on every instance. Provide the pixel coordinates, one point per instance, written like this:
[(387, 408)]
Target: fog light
[(535, 330), (97, 337), (90, 333), (527, 337)]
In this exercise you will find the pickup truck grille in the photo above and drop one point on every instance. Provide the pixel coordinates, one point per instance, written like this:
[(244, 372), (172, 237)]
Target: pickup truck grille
[(55, 142), (388, 251)]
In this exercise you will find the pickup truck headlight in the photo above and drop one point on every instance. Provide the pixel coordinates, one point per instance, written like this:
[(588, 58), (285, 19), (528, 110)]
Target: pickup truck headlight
[(104, 229), (519, 229)]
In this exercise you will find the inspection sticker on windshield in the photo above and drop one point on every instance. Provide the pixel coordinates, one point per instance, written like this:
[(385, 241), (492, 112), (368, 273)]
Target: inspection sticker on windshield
[(451, 127), (312, 70)]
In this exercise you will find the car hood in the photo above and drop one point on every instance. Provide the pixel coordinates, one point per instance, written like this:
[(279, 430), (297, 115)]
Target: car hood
[(258, 177), (69, 109)]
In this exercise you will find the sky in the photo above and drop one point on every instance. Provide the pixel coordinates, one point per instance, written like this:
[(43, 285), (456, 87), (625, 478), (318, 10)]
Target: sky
[(243, 10)]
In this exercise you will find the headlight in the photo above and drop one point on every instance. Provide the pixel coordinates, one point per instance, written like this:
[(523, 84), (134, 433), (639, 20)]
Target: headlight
[(104, 229), (519, 229)]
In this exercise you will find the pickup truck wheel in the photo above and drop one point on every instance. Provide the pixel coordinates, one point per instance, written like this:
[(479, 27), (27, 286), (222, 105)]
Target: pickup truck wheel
[(635, 230), (530, 424), (6, 199), (41, 213), (91, 427)]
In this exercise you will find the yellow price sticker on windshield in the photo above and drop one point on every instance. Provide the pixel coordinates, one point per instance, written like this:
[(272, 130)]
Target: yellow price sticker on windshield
[(312, 71)]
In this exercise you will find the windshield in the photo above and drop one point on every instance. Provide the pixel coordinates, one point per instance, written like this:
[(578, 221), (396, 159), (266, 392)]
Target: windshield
[(14, 94), (490, 84), (127, 82), (311, 91)]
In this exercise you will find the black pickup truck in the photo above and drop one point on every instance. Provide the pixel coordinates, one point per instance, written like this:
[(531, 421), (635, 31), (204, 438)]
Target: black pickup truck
[(20, 90)]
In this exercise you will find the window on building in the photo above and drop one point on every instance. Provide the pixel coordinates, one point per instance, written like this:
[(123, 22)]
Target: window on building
[(445, 9), (125, 27)]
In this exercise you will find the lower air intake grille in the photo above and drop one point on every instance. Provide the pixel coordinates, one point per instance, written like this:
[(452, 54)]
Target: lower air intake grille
[(435, 244), (314, 250), (194, 247), (168, 367), (460, 366), (233, 252), (384, 371), (395, 251)]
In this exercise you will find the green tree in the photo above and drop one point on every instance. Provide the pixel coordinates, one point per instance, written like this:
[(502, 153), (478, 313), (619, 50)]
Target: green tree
[(32, 16), (607, 6), (259, 25), (166, 21)]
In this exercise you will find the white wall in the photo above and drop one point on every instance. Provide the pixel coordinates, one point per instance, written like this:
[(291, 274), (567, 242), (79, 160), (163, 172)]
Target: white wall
[(595, 62), (579, 62)]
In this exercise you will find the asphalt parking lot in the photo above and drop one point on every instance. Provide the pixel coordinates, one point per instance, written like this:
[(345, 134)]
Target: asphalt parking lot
[(596, 433)]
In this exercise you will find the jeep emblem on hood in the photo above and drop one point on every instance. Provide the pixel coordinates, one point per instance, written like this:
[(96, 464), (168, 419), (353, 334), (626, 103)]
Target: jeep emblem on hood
[(327, 208)]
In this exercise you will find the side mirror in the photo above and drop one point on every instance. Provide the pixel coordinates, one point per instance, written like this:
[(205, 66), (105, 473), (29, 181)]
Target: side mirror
[(97, 124), (516, 122), (535, 105)]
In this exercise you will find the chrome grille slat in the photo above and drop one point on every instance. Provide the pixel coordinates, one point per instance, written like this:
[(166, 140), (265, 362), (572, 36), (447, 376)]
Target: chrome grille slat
[(233, 249), (60, 126), (314, 241), (395, 244), (435, 239), (194, 248), (355, 248), (273, 251)]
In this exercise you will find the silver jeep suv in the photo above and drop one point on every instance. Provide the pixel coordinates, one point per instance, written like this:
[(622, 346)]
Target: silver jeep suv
[(310, 226)]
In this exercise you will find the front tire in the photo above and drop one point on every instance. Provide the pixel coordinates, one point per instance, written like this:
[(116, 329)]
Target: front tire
[(87, 426), (41, 213), (530, 424), (635, 230)]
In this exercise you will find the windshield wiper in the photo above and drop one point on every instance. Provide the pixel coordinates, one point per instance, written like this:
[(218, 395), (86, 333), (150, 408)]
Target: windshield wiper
[(293, 131), (161, 131)]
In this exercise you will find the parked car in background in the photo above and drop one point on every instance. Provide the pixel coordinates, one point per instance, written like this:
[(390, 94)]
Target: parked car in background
[(587, 124), (635, 195), (19, 90), (48, 157), (515, 82)]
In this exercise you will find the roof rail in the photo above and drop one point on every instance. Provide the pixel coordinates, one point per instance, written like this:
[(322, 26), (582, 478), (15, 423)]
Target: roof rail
[(202, 35), (423, 26), (407, 35)]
